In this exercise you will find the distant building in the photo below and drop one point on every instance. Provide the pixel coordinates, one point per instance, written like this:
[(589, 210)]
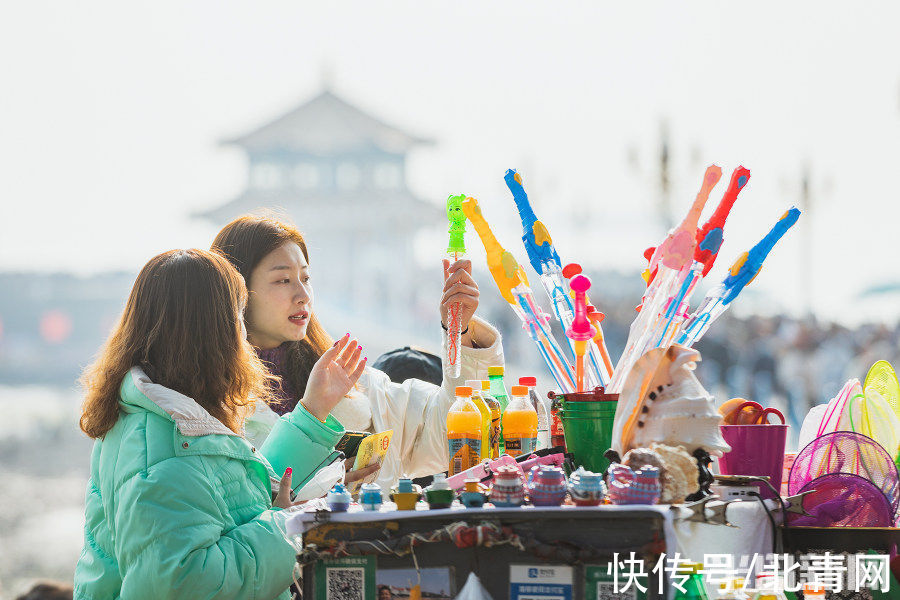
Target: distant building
[(340, 175)]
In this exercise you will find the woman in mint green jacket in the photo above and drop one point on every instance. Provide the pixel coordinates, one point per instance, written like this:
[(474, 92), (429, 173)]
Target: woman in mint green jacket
[(179, 503)]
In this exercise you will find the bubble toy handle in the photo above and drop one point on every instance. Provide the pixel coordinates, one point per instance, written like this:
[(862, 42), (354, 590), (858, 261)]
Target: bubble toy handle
[(580, 332), (710, 236), (456, 250)]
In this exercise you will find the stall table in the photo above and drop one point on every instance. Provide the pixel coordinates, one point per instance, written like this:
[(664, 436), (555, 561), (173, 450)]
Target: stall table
[(565, 536)]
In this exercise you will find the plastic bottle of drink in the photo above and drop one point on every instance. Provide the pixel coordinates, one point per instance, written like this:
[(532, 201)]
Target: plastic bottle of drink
[(519, 423), (463, 432), (498, 391), (485, 411), (813, 591), (557, 433), (694, 588), (734, 590), (496, 413), (543, 437)]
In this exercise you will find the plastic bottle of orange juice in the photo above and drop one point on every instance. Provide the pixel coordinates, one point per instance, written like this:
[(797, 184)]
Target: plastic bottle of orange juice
[(496, 413), (520, 423), (463, 431), (485, 411)]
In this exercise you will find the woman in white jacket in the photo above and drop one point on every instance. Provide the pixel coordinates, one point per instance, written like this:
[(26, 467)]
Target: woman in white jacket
[(282, 326)]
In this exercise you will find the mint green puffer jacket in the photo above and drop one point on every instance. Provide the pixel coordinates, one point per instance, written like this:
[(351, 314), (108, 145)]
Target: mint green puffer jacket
[(179, 506)]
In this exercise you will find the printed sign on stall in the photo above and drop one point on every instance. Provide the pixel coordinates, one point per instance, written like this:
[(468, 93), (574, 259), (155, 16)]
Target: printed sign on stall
[(540, 582), (348, 578), (600, 585)]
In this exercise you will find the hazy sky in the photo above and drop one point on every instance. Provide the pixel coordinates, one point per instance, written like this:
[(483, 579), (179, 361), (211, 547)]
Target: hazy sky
[(111, 116)]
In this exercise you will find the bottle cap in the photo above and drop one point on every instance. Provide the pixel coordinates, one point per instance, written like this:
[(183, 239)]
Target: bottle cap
[(485, 385), (520, 390), (529, 381), (693, 567), (733, 584), (464, 391), (494, 371)]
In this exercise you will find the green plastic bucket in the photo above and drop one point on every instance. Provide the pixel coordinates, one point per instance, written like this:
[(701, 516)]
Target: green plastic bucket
[(594, 407), (589, 435)]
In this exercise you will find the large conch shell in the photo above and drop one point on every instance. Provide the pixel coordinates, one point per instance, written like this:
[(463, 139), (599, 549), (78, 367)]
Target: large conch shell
[(663, 402)]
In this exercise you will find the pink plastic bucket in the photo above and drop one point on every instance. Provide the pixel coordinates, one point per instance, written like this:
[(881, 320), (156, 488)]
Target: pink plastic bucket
[(755, 450)]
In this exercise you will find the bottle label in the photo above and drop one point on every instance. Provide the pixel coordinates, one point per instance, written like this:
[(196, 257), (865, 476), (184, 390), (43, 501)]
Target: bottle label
[(495, 437), (557, 434), (464, 453), (516, 446)]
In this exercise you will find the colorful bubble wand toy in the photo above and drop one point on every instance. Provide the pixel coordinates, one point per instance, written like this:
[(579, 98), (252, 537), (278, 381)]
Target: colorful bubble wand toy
[(742, 272), (709, 240), (456, 250), (513, 285), (546, 262), (674, 254), (580, 331)]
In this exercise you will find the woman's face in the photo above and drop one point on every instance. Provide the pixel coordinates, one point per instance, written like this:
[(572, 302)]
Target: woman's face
[(281, 297)]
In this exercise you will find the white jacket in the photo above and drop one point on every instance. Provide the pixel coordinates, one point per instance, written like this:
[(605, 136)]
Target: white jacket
[(416, 410)]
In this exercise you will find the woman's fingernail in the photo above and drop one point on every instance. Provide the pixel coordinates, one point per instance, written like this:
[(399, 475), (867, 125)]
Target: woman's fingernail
[(360, 348), (365, 358), (288, 471)]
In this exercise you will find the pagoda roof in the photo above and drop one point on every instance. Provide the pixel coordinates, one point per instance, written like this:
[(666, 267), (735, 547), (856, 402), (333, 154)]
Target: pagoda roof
[(326, 125)]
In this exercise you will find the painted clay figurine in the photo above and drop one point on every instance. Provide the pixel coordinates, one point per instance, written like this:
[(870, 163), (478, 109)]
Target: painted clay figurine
[(586, 488), (370, 497), (406, 494), (507, 489), (338, 499), (547, 485), (633, 487), (439, 494), (473, 494)]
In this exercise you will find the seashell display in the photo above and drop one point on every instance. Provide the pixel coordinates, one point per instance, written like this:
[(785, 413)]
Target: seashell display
[(663, 402), (681, 477)]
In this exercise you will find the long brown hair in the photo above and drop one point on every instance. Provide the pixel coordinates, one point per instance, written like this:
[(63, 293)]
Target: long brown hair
[(182, 325), (245, 242)]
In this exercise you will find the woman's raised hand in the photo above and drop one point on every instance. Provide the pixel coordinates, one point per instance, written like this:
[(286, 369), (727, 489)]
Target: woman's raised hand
[(331, 378), (460, 287)]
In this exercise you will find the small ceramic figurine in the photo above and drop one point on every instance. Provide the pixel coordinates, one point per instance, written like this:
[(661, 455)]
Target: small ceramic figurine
[(406, 494), (507, 489), (370, 497), (473, 495), (633, 487), (586, 488), (338, 499), (439, 494), (547, 485)]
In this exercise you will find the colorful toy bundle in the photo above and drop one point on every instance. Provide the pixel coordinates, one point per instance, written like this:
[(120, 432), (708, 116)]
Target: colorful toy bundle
[(675, 267)]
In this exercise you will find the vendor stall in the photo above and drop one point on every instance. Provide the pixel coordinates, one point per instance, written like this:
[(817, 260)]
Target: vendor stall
[(572, 546), (575, 543)]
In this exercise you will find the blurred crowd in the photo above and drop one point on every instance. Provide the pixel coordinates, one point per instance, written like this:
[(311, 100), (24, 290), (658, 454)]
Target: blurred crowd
[(795, 363), (782, 361)]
